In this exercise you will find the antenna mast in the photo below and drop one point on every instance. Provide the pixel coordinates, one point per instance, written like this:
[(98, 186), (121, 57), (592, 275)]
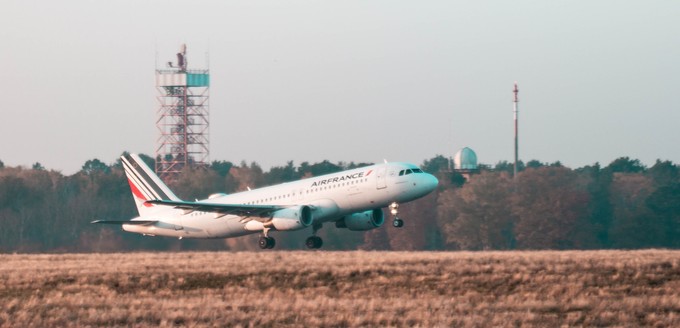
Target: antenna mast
[(515, 114)]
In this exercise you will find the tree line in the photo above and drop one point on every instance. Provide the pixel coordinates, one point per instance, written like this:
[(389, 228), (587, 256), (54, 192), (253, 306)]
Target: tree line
[(546, 206)]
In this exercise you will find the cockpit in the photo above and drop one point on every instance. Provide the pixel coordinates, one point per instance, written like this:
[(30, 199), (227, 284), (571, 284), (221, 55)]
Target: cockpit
[(410, 171), (410, 182)]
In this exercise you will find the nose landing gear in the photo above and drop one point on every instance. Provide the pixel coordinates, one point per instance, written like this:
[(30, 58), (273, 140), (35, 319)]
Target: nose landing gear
[(394, 210)]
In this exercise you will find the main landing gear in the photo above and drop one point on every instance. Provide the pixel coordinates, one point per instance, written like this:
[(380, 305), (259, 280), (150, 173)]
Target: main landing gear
[(394, 210), (314, 241), (265, 241)]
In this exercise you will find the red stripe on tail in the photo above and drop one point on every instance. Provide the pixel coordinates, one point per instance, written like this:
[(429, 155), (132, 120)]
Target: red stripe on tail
[(138, 194)]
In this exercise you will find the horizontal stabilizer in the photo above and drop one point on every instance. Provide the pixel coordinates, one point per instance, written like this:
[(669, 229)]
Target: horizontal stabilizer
[(136, 222)]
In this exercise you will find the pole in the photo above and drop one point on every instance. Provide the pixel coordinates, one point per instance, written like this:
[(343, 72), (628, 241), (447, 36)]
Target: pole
[(516, 114)]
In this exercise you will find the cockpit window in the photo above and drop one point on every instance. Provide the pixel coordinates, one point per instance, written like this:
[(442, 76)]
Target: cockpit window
[(410, 171)]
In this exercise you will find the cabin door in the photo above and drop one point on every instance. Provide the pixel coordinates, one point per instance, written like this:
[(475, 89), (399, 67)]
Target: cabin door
[(381, 178)]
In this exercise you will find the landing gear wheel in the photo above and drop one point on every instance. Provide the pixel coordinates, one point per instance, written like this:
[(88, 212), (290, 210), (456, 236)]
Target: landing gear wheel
[(266, 242), (394, 210), (314, 242)]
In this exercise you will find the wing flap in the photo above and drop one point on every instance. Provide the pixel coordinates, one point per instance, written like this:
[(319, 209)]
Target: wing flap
[(225, 209)]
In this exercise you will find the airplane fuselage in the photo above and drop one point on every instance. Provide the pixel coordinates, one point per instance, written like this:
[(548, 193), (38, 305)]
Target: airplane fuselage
[(330, 197)]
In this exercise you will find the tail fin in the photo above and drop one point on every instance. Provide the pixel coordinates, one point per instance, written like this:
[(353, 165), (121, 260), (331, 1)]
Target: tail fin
[(144, 184)]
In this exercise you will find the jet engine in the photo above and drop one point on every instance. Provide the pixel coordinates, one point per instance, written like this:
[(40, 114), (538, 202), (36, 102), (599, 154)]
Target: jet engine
[(292, 218), (362, 221)]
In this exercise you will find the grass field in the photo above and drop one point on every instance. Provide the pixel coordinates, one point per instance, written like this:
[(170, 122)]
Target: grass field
[(260, 289)]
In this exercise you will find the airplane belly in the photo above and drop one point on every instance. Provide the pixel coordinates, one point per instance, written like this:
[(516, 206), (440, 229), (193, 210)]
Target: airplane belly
[(324, 210), (160, 228), (226, 227)]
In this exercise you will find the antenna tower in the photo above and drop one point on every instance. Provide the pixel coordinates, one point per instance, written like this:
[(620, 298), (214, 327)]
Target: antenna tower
[(182, 121), (516, 114)]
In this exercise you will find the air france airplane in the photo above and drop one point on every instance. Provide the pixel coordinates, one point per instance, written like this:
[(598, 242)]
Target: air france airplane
[(352, 199)]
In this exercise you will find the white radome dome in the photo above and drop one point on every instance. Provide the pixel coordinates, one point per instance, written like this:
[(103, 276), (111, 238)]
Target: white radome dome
[(465, 159)]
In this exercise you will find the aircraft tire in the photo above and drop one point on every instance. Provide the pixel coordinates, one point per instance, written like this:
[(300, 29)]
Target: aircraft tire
[(263, 243), (314, 242), (398, 223), (266, 242)]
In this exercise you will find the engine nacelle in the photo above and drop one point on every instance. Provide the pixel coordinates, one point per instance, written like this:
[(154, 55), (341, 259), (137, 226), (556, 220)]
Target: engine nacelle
[(292, 218), (362, 221)]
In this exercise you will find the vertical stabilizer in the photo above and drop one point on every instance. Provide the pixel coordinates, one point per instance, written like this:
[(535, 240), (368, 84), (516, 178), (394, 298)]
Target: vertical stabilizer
[(144, 184)]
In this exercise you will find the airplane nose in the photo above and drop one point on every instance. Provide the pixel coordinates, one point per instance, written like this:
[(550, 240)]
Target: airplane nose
[(431, 182)]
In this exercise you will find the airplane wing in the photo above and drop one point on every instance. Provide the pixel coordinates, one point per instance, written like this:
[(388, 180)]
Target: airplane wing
[(224, 209), (136, 222)]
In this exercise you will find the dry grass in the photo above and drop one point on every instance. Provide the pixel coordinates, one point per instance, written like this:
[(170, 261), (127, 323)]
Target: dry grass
[(260, 289)]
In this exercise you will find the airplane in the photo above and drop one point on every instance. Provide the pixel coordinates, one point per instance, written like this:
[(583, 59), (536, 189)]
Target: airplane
[(351, 199)]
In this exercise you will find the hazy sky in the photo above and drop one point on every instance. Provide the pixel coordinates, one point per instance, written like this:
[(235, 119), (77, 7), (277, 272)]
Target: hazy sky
[(346, 80)]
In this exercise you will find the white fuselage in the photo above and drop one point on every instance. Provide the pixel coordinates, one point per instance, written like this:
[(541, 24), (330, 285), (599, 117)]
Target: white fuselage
[(330, 196)]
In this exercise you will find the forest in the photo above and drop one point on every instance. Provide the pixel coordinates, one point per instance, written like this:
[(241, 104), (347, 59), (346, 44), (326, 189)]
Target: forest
[(623, 205)]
